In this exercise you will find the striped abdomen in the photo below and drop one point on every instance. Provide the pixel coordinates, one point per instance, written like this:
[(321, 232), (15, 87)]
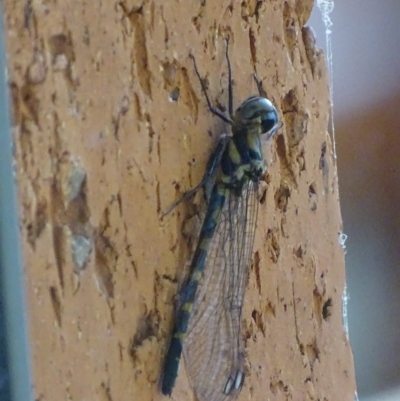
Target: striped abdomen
[(187, 298)]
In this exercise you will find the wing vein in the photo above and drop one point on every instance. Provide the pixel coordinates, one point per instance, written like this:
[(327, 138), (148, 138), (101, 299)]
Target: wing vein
[(213, 349)]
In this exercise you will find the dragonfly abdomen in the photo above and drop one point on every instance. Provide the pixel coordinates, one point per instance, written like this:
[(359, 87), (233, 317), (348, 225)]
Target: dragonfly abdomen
[(188, 295)]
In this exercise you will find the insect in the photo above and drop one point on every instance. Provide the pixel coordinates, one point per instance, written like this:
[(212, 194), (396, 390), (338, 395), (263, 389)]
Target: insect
[(208, 323)]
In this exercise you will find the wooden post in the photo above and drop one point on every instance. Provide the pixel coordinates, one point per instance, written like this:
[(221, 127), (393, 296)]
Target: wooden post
[(110, 128)]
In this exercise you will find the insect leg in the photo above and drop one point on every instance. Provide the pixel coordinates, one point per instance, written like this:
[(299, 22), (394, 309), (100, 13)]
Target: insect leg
[(212, 109), (259, 86), (212, 165), (230, 91)]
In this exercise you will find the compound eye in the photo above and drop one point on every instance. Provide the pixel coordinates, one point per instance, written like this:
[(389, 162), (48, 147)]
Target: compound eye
[(269, 121)]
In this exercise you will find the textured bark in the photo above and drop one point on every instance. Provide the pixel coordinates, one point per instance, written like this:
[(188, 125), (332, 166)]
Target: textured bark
[(110, 128)]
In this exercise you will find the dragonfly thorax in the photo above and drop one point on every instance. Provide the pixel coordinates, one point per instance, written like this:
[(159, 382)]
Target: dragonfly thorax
[(242, 161)]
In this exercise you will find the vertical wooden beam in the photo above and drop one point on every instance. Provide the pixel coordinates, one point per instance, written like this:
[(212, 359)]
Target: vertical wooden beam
[(110, 127)]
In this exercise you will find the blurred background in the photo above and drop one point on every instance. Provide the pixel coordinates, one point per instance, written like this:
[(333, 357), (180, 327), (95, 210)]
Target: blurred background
[(366, 96)]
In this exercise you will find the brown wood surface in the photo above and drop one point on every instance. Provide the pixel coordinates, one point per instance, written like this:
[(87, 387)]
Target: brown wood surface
[(110, 128)]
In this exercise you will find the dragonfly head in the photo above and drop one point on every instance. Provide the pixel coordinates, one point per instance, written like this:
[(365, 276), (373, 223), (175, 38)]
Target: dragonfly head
[(259, 108)]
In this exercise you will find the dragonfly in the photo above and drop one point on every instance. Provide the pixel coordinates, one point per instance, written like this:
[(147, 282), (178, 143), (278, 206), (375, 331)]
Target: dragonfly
[(208, 323)]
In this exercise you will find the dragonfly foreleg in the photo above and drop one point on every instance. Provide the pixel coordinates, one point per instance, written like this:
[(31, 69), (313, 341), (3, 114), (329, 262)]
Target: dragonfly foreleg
[(212, 165), (261, 91), (212, 109)]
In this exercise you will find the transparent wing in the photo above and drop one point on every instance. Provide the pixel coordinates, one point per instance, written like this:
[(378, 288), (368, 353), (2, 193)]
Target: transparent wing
[(213, 348)]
